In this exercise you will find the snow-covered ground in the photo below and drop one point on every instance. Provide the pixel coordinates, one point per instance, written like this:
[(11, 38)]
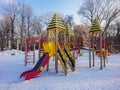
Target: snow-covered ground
[(84, 78)]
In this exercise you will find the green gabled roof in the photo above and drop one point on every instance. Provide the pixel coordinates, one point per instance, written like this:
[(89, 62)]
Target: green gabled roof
[(95, 27), (56, 22), (69, 30)]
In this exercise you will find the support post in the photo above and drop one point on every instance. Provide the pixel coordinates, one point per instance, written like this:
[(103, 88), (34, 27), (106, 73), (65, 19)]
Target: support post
[(39, 51), (101, 66), (89, 51), (104, 55), (76, 53), (34, 53), (56, 45), (26, 52), (48, 39), (93, 50)]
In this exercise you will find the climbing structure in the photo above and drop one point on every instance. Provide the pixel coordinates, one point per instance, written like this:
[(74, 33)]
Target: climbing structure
[(96, 43), (57, 29)]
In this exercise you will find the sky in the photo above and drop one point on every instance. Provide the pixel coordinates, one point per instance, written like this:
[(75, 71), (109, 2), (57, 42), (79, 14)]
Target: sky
[(66, 7)]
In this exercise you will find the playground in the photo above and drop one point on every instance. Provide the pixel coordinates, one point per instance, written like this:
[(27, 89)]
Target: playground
[(58, 64), (56, 45), (60, 45)]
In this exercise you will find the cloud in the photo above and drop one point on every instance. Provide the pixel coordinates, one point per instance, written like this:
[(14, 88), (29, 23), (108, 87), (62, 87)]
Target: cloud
[(6, 1)]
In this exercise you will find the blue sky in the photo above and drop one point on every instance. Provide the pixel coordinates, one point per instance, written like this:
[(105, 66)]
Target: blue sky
[(66, 7)]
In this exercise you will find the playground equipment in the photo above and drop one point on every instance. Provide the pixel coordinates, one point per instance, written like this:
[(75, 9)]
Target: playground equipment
[(70, 40), (110, 47), (97, 43), (53, 48), (104, 52), (30, 46), (29, 51), (58, 30), (58, 36), (81, 54)]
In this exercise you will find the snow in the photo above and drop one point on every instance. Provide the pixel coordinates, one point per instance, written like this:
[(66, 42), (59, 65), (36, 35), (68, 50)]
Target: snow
[(84, 78)]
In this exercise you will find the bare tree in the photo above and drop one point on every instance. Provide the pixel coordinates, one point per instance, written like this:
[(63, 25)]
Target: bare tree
[(7, 30), (29, 16), (2, 34), (10, 12), (22, 23), (112, 30), (68, 19), (36, 25), (81, 34), (105, 10), (45, 18)]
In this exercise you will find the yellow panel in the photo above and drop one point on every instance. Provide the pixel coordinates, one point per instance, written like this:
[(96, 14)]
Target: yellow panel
[(71, 56), (50, 48), (62, 52), (69, 52), (41, 68), (61, 62)]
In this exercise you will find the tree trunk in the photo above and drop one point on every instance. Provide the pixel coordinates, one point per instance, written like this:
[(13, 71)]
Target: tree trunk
[(12, 34), (22, 27), (28, 27)]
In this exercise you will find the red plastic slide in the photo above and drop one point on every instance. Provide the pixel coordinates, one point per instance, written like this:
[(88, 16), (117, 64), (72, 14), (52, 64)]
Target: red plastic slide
[(38, 67), (35, 67)]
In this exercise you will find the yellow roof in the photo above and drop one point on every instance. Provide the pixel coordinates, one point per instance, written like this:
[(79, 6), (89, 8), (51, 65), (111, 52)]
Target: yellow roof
[(56, 22), (95, 27), (69, 30)]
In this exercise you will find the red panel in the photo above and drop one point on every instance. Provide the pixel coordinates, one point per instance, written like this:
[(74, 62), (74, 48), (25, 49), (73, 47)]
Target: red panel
[(103, 44)]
